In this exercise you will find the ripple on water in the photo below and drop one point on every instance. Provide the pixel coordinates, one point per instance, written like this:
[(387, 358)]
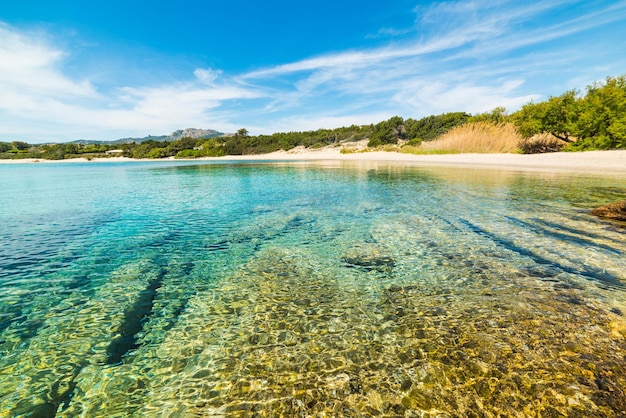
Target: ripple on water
[(327, 304), (282, 336)]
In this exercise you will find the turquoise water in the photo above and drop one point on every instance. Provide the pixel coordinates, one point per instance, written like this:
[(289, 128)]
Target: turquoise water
[(299, 289)]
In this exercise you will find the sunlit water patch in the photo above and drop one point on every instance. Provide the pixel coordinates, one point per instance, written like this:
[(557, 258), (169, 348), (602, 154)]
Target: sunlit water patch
[(177, 289)]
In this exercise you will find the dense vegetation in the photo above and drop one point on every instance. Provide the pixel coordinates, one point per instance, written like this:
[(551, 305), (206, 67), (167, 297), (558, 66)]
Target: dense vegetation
[(241, 143), (595, 120), (20, 150)]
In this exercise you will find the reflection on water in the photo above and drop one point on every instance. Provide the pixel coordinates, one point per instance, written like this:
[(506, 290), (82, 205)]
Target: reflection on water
[(312, 290)]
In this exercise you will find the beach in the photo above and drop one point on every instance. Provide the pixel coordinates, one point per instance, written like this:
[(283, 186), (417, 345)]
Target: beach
[(609, 162)]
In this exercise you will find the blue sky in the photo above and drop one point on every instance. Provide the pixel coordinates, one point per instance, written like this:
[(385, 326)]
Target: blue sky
[(105, 70)]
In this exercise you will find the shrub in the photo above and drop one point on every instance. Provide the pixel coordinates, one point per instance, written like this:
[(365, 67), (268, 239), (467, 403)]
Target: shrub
[(415, 142), (540, 143), (431, 127), (158, 153)]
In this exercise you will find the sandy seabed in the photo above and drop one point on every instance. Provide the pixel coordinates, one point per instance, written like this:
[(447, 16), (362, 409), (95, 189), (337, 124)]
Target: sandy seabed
[(609, 162)]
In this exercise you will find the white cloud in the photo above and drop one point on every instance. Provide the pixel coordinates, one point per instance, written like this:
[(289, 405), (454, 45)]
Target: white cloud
[(39, 101), (28, 65), (207, 75), (317, 121), (362, 59), (440, 97)]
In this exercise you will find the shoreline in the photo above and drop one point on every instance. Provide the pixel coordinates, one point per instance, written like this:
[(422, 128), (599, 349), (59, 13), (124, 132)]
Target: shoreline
[(597, 162)]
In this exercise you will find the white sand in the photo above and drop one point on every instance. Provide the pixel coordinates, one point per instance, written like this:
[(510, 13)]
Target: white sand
[(609, 162)]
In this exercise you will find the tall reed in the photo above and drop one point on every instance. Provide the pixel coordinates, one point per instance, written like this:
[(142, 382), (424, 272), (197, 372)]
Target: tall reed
[(476, 137)]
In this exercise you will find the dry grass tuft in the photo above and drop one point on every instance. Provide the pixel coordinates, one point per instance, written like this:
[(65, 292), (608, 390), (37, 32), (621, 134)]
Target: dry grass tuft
[(418, 150), (477, 137)]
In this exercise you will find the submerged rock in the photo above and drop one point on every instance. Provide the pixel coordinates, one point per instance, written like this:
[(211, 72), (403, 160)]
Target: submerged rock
[(369, 257), (615, 211)]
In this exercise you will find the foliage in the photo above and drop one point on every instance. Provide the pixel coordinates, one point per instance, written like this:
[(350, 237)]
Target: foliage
[(20, 146), (430, 127), (596, 120), (61, 151), (415, 142), (242, 133), (387, 132), (56, 152), (415, 131), (557, 116), (158, 153), (496, 116), (601, 122), (182, 144)]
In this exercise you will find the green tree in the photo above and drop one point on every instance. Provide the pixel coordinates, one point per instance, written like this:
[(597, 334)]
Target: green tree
[(233, 147), (19, 145), (53, 152), (94, 148), (496, 116), (180, 145), (430, 127), (142, 150), (158, 153), (71, 149), (602, 120), (213, 148), (557, 116), (388, 132), (242, 133)]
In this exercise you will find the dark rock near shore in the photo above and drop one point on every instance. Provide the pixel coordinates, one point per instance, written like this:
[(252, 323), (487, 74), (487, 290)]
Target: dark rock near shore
[(615, 211)]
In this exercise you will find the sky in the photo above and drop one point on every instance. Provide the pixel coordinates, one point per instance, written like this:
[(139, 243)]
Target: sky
[(107, 70)]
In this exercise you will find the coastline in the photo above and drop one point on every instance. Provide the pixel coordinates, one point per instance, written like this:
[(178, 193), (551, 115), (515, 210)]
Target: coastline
[(597, 162)]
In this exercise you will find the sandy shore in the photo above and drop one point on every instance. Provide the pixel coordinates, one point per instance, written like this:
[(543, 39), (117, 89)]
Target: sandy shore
[(610, 162)]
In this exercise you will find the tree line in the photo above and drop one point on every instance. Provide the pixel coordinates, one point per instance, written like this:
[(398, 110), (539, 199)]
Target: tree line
[(590, 121)]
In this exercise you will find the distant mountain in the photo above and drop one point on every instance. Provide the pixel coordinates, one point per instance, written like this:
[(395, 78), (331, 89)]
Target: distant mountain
[(174, 136), (193, 133)]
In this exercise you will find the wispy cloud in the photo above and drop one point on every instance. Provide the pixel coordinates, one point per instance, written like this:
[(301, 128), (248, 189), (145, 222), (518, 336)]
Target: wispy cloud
[(446, 68), (471, 24), (557, 28), (29, 64), (389, 32)]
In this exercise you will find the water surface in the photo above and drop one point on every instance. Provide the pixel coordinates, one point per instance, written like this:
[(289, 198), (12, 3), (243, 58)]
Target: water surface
[(292, 289)]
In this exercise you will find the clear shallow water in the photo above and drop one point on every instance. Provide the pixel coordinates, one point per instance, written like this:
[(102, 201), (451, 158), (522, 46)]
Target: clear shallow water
[(177, 289)]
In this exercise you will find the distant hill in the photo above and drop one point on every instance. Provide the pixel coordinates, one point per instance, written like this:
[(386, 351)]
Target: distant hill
[(176, 135)]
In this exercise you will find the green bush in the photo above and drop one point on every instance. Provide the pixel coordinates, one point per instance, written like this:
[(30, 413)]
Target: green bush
[(415, 142), (431, 127), (557, 116), (158, 153)]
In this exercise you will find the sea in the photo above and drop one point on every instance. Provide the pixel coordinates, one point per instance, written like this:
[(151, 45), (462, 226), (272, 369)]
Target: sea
[(309, 289)]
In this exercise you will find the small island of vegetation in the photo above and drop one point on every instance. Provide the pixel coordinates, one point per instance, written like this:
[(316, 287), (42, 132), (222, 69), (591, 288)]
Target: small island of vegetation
[(572, 121)]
